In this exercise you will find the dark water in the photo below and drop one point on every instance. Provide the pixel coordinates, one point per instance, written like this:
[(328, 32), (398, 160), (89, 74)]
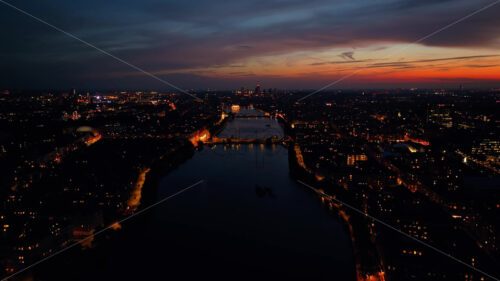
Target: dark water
[(249, 111), (248, 221), (252, 127)]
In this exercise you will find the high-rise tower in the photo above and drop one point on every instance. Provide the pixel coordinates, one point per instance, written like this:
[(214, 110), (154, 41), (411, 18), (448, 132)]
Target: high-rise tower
[(257, 88)]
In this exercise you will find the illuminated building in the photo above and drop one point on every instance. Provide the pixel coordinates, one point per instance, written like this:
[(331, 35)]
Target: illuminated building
[(257, 89), (75, 115), (487, 148), (235, 108), (441, 116), (202, 135), (352, 159)]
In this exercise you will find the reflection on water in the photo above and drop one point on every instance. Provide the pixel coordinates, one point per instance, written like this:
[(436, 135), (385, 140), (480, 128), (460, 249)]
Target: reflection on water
[(252, 127)]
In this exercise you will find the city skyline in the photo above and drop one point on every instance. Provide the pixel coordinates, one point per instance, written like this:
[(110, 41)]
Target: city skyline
[(367, 186), (352, 140)]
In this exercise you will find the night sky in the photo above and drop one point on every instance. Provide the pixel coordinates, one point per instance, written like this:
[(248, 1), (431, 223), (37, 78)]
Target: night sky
[(228, 44)]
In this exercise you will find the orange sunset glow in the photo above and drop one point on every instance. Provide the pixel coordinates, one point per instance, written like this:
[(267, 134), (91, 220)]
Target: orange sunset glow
[(411, 64)]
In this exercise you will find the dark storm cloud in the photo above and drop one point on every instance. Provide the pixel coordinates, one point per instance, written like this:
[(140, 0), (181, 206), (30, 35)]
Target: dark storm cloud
[(178, 35)]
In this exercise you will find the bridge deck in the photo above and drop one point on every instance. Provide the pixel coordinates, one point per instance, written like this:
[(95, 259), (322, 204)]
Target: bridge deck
[(216, 140)]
